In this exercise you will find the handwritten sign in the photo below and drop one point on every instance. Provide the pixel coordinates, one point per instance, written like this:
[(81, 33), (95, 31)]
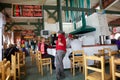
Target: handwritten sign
[(26, 10)]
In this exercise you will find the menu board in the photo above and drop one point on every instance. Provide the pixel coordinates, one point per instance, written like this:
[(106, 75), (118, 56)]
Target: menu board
[(26, 10)]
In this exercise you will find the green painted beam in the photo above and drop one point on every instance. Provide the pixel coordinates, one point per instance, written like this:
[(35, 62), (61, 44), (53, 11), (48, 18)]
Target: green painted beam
[(43, 21), (50, 7), (72, 4), (66, 12), (59, 9), (112, 12), (71, 12), (52, 14), (88, 6), (9, 26), (24, 23)]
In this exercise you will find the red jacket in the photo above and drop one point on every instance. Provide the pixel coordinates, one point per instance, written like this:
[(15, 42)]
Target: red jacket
[(45, 47), (63, 41)]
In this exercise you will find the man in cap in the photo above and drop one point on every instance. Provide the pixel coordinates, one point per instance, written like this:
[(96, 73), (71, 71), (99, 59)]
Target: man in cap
[(60, 53)]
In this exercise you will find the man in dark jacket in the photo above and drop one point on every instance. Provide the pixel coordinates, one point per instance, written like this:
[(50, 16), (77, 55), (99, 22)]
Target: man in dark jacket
[(9, 51)]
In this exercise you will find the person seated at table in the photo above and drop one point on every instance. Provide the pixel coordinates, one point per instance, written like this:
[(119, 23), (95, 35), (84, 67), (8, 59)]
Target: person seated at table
[(68, 40), (9, 51), (42, 46), (75, 45), (118, 45)]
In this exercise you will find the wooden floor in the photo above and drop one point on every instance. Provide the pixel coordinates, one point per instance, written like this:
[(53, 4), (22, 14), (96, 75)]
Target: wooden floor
[(33, 74)]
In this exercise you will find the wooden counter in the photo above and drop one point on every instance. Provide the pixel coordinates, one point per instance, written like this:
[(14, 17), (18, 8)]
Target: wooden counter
[(99, 45)]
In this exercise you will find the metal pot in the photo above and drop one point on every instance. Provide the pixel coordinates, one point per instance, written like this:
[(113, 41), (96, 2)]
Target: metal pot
[(102, 39)]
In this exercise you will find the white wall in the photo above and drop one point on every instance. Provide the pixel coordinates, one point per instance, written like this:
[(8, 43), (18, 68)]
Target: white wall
[(52, 27), (67, 27), (97, 20), (2, 22)]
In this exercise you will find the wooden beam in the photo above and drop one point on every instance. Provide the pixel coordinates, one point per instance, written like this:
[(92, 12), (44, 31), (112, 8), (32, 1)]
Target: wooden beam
[(96, 5), (106, 3), (114, 22), (50, 7)]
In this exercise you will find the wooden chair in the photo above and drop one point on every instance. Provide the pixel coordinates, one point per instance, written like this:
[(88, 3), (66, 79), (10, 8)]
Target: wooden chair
[(21, 63), (3, 61), (13, 67), (1, 64), (77, 61), (106, 53), (32, 56), (114, 62), (97, 73), (103, 52), (6, 71), (37, 61), (44, 62)]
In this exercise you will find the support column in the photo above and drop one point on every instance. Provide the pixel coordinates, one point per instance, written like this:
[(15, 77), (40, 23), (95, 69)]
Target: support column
[(59, 7), (43, 27), (12, 37), (1, 43), (66, 12), (83, 15), (72, 3), (2, 22), (101, 6), (88, 6)]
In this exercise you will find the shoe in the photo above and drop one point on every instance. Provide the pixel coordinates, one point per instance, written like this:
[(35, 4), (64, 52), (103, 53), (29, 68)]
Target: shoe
[(58, 78), (62, 76), (53, 68)]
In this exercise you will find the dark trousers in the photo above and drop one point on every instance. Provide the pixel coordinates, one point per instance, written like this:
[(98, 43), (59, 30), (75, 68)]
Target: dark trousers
[(52, 59), (59, 64), (70, 55)]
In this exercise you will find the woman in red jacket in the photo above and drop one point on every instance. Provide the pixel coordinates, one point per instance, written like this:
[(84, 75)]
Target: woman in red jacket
[(43, 48)]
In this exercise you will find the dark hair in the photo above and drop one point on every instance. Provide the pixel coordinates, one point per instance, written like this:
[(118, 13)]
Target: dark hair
[(61, 32)]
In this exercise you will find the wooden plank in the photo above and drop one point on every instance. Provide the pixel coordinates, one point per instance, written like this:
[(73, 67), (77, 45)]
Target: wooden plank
[(93, 58), (94, 69)]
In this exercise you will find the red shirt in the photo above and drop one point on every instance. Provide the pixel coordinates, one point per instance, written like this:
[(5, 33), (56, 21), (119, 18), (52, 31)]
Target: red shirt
[(61, 39)]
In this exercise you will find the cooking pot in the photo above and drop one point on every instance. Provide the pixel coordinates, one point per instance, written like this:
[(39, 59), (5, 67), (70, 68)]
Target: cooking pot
[(102, 39)]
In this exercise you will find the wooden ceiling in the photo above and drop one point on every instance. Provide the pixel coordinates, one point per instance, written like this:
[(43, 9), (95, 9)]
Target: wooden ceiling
[(114, 6), (25, 1)]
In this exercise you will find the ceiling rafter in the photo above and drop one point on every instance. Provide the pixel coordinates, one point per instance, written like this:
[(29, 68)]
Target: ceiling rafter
[(115, 22)]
